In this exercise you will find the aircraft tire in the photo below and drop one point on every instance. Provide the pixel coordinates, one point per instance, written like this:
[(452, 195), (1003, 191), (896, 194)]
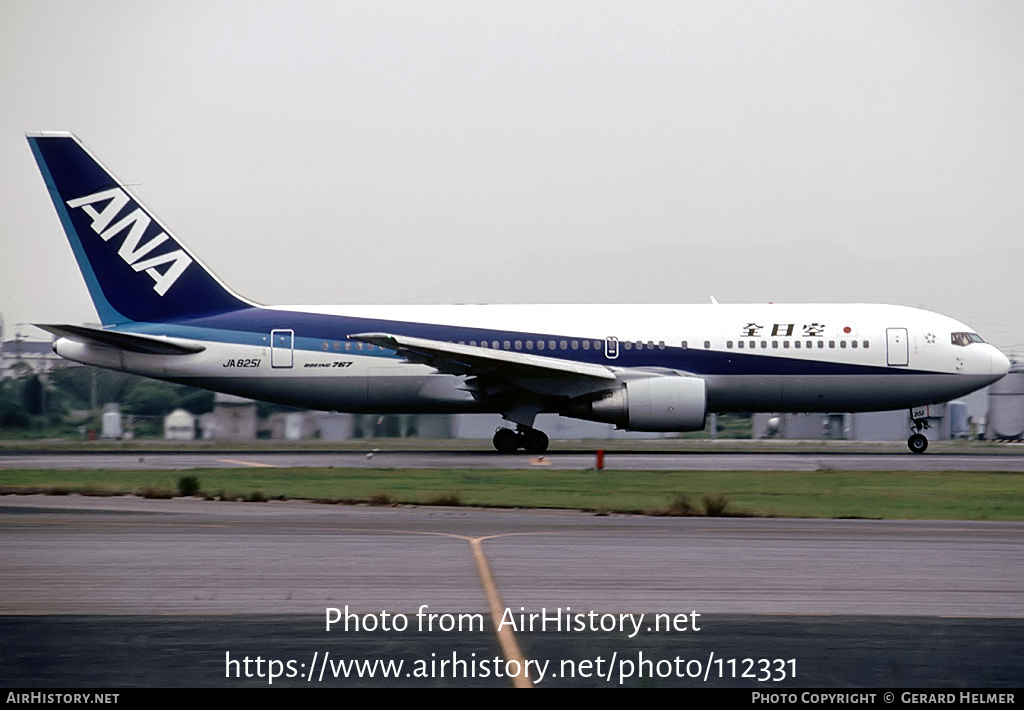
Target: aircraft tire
[(535, 441), (505, 441), (918, 443)]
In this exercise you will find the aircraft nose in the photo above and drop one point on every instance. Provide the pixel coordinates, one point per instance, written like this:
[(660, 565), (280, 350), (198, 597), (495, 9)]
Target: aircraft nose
[(1000, 363)]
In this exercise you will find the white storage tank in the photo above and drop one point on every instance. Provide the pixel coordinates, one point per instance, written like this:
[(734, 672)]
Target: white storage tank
[(1006, 406)]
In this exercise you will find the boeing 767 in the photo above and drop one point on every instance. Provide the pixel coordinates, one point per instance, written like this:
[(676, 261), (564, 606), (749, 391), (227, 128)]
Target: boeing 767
[(639, 367)]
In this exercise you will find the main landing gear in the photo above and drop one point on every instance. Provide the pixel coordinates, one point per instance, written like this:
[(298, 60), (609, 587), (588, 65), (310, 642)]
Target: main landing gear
[(918, 442), (533, 441)]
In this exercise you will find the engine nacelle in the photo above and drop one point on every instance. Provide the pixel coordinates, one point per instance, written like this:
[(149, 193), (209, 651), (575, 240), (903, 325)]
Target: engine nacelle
[(651, 404)]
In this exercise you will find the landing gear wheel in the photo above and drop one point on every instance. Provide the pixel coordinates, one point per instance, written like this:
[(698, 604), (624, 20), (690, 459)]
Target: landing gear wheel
[(917, 443), (534, 441), (505, 441)]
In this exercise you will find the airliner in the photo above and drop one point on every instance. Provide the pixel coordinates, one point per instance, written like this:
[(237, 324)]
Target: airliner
[(658, 368)]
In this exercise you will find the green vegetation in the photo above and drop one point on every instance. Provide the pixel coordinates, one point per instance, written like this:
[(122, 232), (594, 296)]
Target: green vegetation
[(948, 495), (188, 486), (68, 403)]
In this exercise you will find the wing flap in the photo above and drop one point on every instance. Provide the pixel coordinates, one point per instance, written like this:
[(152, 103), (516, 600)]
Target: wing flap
[(458, 359)]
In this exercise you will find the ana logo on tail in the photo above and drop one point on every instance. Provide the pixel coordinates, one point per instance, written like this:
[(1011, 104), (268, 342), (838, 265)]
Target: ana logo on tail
[(132, 249)]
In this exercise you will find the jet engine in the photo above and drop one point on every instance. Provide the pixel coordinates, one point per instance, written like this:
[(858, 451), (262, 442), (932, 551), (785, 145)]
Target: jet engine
[(650, 404)]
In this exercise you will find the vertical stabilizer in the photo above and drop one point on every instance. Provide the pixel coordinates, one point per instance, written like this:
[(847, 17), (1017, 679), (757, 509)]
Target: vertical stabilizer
[(136, 270)]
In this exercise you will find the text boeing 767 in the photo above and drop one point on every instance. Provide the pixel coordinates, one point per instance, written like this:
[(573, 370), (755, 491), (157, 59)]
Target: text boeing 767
[(640, 367)]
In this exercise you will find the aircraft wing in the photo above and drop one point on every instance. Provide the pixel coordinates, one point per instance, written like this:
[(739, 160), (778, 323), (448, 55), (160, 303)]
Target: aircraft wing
[(132, 342), (456, 359)]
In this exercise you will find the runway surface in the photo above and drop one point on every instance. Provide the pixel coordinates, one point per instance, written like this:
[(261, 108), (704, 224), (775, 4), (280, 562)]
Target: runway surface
[(188, 581), (573, 460), (125, 555)]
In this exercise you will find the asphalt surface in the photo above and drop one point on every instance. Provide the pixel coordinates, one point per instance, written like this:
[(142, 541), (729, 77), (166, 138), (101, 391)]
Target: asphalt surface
[(123, 591), (571, 460)]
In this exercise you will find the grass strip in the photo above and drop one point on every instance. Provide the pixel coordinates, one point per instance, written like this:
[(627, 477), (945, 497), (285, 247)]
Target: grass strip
[(946, 495)]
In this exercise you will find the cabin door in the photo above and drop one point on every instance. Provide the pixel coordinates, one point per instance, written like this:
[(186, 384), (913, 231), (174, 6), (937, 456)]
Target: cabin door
[(282, 343), (897, 346), (611, 347)]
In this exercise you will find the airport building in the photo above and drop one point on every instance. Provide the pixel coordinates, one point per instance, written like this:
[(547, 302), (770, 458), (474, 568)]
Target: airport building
[(22, 356), (995, 415)]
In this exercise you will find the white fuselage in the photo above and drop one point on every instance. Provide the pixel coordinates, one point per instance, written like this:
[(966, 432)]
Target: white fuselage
[(763, 357)]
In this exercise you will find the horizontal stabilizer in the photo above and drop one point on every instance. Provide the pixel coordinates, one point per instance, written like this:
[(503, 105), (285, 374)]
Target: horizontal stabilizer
[(123, 341)]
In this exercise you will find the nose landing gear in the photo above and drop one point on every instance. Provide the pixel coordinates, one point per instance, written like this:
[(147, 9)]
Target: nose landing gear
[(918, 442), (533, 441)]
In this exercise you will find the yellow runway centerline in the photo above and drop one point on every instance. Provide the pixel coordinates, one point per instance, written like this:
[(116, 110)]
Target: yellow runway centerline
[(247, 463), (506, 639)]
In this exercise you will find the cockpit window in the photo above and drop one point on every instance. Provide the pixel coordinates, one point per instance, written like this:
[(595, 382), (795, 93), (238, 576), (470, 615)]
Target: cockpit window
[(963, 339)]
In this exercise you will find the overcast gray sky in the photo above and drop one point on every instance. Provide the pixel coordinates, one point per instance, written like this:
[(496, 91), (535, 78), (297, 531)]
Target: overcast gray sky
[(362, 152)]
